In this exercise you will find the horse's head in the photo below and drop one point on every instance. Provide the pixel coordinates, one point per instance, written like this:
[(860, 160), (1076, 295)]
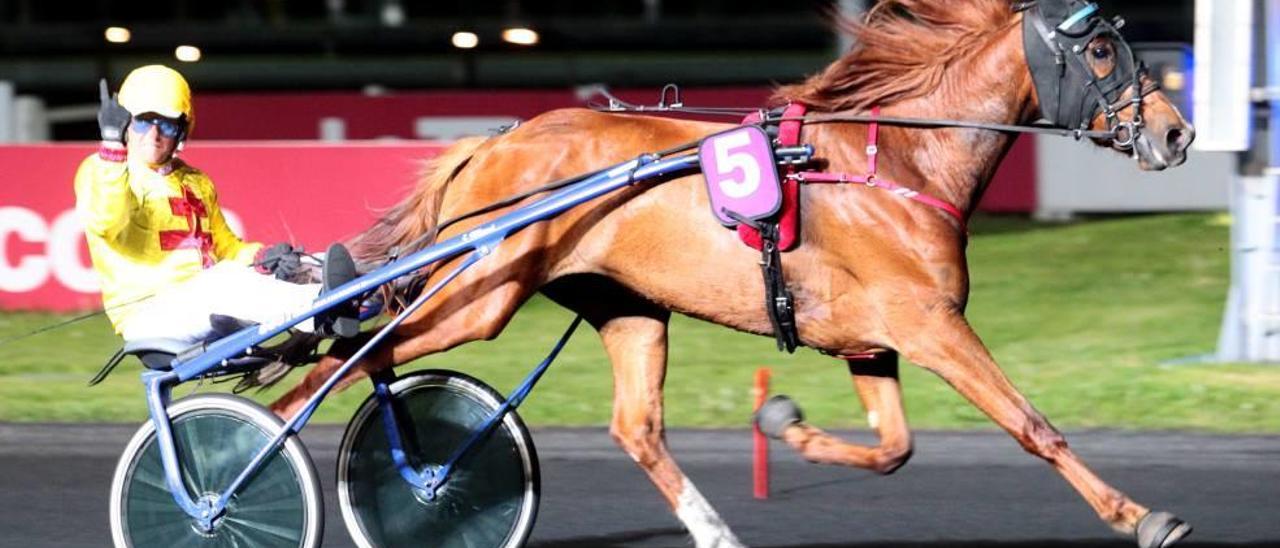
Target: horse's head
[(1086, 77)]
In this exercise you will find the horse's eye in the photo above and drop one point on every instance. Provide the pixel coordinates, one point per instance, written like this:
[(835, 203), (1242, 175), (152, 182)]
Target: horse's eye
[(1101, 53)]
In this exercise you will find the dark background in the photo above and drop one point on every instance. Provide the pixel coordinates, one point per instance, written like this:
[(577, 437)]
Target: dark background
[(51, 48)]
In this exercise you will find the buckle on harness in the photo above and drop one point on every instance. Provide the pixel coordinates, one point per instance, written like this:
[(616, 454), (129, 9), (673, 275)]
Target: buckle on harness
[(779, 303)]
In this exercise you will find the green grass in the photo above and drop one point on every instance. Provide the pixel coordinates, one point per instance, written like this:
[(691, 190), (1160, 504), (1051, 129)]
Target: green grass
[(1083, 317)]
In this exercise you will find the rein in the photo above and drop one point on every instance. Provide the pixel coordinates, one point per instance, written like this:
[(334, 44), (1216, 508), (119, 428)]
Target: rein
[(618, 106), (941, 123)]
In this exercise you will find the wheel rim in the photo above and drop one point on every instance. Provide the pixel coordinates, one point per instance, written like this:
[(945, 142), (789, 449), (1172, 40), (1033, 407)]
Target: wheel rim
[(214, 447), (484, 501)]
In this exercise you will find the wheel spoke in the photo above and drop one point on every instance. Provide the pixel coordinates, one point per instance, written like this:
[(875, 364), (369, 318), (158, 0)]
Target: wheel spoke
[(149, 478), (242, 527), (193, 453)]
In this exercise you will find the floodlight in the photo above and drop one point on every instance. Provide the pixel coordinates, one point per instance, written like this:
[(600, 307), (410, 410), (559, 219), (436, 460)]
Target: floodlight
[(465, 40), (117, 35), (187, 54), (520, 35)]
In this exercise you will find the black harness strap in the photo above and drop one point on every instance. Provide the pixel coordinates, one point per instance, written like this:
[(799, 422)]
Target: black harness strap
[(778, 301)]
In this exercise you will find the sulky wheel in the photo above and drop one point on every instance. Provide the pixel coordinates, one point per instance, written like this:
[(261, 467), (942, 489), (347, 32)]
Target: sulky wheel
[(489, 500), (216, 436)]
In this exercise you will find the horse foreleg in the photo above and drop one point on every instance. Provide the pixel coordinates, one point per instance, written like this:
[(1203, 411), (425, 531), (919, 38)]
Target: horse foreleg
[(876, 381), (943, 342)]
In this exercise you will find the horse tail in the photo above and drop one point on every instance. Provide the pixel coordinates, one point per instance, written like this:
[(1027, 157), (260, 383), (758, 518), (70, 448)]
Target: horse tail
[(410, 225)]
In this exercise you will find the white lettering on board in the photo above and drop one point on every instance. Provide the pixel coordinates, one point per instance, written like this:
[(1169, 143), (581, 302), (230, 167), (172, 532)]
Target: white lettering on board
[(64, 257)]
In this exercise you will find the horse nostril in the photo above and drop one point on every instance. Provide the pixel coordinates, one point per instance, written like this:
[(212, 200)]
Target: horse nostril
[(1177, 139)]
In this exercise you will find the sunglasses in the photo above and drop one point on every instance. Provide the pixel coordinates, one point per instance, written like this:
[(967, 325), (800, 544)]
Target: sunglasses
[(167, 127)]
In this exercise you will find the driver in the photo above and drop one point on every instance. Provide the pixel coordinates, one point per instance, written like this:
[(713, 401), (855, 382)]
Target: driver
[(169, 265)]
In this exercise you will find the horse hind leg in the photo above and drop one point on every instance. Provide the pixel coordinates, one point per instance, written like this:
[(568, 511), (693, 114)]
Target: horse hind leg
[(464, 311), (287, 405), (634, 333), (943, 342), (876, 380)]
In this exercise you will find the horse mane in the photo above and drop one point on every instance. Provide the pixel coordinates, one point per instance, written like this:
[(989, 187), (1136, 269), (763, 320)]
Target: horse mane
[(902, 50)]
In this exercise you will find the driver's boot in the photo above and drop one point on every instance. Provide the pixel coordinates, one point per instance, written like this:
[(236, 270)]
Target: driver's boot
[(343, 319)]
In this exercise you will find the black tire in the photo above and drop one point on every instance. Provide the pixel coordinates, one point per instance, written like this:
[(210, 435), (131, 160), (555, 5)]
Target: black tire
[(491, 496), (216, 436)]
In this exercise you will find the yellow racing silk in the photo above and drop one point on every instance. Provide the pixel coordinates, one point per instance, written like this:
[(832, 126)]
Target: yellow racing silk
[(149, 229)]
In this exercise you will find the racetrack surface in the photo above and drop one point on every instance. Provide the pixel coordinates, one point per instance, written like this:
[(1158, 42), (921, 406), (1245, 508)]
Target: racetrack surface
[(960, 489)]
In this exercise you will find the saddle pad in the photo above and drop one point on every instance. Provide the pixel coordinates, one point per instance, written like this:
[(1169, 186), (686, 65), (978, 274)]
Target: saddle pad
[(788, 217)]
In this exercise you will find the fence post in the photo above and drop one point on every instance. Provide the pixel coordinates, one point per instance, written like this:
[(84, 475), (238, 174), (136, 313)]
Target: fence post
[(760, 444)]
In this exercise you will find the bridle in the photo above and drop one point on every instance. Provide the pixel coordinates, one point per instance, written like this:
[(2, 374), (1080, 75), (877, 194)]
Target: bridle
[(1056, 36)]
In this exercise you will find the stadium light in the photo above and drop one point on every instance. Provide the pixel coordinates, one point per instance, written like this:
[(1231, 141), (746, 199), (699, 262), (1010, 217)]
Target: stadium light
[(520, 35), (187, 54), (465, 40), (117, 35)]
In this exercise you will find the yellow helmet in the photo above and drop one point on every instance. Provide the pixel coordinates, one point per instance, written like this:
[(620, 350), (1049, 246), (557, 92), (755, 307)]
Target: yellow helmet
[(158, 89)]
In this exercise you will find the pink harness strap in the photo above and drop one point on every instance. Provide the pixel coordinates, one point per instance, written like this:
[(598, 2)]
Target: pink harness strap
[(871, 180), (873, 137), (788, 218)]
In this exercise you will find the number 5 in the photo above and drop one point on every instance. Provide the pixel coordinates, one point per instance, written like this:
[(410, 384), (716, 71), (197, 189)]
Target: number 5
[(728, 161)]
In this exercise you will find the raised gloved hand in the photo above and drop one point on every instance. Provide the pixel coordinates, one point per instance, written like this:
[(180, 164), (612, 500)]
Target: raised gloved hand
[(281, 260), (113, 119)]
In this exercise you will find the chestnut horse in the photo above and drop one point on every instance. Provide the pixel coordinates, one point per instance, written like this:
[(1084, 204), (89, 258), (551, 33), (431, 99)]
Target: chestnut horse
[(874, 273)]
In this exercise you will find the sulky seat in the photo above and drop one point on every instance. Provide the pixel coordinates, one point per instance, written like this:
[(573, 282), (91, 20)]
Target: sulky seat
[(159, 354), (156, 354)]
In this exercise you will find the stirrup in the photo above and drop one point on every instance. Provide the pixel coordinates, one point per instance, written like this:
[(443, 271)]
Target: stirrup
[(343, 320)]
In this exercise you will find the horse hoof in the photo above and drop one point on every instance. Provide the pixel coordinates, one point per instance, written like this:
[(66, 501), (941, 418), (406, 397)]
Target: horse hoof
[(776, 415), (1161, 529)]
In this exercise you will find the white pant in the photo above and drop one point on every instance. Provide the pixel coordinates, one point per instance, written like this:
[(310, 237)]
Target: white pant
[(182, 311)]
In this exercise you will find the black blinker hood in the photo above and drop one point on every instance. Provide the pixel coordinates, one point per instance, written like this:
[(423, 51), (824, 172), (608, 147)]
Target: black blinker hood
[(1056, 35)]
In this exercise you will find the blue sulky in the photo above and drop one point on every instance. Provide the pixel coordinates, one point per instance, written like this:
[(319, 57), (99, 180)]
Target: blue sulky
[(395, 441), (479, 242)]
